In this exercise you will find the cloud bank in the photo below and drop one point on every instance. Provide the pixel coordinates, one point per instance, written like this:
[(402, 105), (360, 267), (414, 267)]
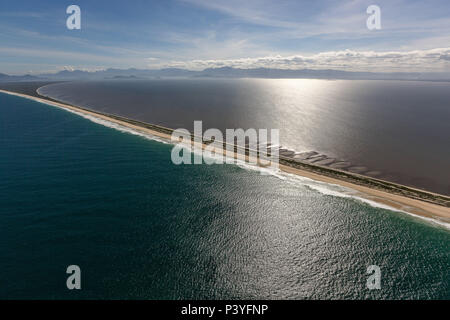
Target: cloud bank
[(433, 60)]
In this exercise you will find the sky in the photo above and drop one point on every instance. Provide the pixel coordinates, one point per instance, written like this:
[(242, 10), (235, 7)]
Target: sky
[(199, 34)]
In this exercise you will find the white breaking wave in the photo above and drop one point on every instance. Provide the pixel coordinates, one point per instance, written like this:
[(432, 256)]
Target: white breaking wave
[(111, 124), (341, 192), (120, 127)]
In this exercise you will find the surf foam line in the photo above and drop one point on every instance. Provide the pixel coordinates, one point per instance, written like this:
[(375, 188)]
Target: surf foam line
[(335, 190), (118, 127), (92, 118), (319, 186)]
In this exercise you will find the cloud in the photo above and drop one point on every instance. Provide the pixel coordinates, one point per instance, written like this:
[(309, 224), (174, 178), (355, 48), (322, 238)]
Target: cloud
[(81, 68), (433, 60)]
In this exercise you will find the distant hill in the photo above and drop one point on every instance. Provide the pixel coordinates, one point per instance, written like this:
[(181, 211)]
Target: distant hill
[(226, 72), (27, 77)]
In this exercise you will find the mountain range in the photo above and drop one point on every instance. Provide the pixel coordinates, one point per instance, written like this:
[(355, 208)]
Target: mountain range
[(225, 72)]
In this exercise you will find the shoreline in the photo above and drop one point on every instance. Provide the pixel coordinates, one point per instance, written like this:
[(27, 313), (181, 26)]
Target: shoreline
[(410, 200)]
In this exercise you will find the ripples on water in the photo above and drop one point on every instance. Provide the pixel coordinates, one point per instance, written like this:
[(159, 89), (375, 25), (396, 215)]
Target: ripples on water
[(394, 130), (74, 192)]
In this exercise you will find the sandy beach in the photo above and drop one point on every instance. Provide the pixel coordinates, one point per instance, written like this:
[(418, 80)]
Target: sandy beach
[(439, 213)]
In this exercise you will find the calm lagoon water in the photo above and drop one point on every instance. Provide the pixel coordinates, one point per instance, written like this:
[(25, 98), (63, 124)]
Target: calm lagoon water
[(76, 192)]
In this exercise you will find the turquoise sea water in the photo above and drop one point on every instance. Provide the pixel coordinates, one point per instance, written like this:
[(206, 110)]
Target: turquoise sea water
[(76, 192)]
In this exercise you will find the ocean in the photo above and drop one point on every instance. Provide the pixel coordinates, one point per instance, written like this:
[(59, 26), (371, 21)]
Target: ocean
[(76, 192), (394, 130)]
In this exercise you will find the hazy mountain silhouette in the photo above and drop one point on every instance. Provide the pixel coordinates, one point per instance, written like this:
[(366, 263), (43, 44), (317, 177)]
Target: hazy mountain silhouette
[(226, 72)]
